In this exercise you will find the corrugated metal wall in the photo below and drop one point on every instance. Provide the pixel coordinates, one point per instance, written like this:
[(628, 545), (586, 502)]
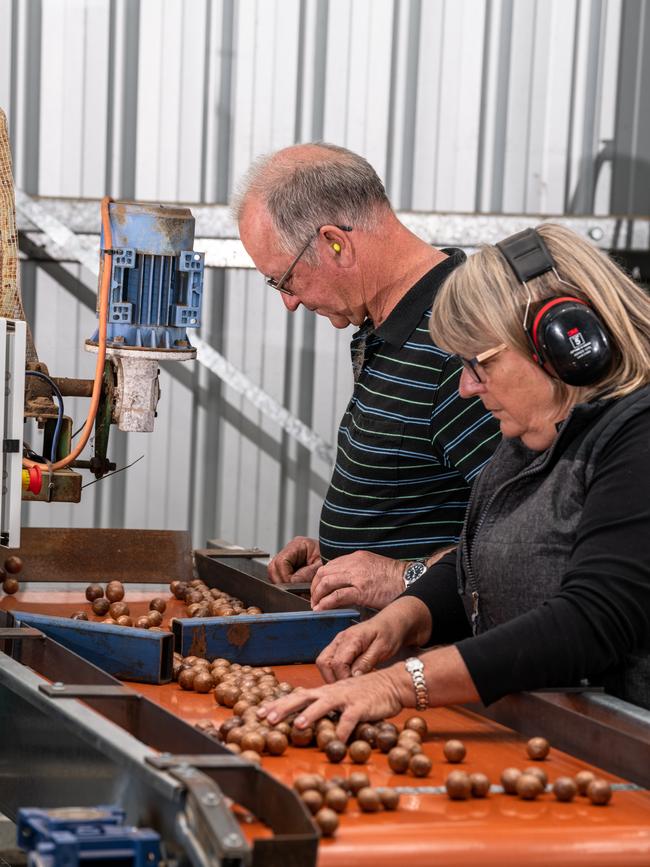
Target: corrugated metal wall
[(466, 105)]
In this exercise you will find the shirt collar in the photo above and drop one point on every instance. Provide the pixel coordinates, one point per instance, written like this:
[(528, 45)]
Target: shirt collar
[(398, 326)]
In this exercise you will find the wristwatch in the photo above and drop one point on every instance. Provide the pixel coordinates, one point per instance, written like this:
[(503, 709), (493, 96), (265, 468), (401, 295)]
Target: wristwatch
[(414, 570), (415, 668)]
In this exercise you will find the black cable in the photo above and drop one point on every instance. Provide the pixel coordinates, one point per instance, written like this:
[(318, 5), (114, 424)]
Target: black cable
[(59, 420), (121, 469), (28, 452)]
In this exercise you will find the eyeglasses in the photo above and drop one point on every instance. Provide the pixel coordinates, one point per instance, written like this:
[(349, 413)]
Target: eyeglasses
[(473, 365), (279, 284)]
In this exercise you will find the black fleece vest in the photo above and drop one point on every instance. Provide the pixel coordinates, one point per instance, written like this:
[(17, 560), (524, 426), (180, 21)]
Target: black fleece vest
[(521, 524)]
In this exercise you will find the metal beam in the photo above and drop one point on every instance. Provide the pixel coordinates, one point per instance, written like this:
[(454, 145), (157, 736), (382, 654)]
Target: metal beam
[(216, 232)]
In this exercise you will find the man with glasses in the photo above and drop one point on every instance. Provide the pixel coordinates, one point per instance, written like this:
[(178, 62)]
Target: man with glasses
[(318, 225)]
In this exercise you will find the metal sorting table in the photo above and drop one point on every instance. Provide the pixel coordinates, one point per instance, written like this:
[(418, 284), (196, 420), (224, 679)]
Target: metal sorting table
[(110, 746)]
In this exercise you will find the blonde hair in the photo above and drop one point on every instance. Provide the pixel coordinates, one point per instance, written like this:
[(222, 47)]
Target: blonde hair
[(482, 304)]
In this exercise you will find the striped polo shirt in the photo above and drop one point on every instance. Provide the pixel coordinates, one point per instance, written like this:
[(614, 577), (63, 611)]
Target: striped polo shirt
[(408, 445)]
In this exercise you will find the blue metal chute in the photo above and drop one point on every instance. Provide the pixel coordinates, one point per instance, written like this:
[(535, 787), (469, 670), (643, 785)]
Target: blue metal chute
[(128, 653)]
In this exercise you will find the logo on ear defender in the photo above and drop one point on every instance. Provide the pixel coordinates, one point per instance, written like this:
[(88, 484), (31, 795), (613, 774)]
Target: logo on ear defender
[(579, 346)]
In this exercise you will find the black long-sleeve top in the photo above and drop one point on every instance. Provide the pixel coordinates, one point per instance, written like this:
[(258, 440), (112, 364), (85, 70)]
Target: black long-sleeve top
[(599, 614)]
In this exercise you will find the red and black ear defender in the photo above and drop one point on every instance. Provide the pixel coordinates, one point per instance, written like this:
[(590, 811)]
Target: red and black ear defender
[(567, 337)]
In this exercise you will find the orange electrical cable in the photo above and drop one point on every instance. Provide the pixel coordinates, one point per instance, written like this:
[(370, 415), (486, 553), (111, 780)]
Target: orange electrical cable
[(106, 267)]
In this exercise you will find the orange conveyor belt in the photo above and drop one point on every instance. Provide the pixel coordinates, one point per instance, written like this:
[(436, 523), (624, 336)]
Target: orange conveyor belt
[(428, 828)]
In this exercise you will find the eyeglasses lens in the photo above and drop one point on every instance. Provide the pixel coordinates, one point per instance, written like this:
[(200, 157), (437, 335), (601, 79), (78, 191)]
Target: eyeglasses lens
[(472, 367)]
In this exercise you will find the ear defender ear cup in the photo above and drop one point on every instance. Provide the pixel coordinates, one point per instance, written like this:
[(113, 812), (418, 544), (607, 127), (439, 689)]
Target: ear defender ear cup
[(569, 336)]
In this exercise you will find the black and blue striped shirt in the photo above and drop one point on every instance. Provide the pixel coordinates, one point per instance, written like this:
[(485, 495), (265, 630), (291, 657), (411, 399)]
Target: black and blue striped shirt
[(409, 446)]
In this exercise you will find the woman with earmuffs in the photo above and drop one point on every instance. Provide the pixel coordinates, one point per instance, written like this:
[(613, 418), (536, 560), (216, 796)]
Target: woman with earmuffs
[(550, 585)]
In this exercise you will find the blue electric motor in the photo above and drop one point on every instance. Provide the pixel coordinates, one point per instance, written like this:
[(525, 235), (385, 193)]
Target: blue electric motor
[(156, 279), (72, 837)]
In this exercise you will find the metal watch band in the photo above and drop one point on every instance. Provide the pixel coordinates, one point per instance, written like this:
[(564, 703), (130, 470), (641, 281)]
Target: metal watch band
[(413, 571), (415, 668)]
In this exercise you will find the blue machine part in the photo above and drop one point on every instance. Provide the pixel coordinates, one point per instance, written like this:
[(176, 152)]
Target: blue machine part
[(69, 837), (156, 278), (278, 638), (130, 654)]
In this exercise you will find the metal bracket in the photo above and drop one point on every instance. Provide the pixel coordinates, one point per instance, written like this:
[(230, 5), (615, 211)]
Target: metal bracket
[(164, 761), (82, 690), (16, 633), (294, 840), (231, 551), (206, 825)]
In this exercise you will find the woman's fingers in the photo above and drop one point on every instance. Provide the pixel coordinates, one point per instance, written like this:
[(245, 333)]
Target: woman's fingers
[(337, 659)]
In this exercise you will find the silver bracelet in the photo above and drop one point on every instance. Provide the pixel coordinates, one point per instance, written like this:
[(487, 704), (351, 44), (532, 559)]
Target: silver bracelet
[(415, 668)]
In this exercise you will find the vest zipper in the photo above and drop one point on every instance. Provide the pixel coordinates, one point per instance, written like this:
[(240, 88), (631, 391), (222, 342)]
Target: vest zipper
[(474, 611)]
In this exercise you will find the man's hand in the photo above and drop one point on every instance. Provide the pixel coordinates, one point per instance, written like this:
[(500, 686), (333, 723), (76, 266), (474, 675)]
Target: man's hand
[(361, 578), (360, 648), (297, 562)]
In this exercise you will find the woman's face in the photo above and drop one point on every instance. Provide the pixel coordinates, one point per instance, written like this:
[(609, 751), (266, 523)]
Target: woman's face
[(519, 394)]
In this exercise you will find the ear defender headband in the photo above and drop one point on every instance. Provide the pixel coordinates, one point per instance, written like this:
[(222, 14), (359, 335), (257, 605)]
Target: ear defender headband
[(567, 337)]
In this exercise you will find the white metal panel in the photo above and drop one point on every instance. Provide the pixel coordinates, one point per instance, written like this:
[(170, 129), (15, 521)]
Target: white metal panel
[(368, 86), (158, 83), (337, 89), (610, 60), (519, 100), (401, 101), (459, 106), (550, 107), (430, 125), (13, 338)]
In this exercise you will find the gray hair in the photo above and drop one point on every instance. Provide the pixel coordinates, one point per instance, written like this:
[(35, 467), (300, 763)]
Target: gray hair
[(307, 186)]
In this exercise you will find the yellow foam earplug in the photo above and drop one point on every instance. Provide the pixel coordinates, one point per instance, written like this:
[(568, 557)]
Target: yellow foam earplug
[(336, 247)]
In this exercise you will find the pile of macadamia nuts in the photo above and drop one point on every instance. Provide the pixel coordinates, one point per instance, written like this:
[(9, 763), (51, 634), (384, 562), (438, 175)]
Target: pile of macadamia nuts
[(203, 601), (109, 603)]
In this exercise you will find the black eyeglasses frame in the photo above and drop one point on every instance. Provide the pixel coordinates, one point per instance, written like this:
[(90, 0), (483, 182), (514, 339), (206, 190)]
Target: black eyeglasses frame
[(473, 365), (279, 284)]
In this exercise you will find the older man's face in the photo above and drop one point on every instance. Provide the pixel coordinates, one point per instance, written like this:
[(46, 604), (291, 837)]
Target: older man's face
[(319, 287)]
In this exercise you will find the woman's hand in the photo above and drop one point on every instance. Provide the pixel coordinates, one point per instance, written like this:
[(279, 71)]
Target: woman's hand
[(357, 650), (378, 695), (375, 696)]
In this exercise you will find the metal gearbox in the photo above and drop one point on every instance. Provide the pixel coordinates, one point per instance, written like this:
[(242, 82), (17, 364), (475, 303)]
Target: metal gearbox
[(155, 296)]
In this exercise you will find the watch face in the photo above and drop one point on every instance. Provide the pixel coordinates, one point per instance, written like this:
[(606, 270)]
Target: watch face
[(413, 572)]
